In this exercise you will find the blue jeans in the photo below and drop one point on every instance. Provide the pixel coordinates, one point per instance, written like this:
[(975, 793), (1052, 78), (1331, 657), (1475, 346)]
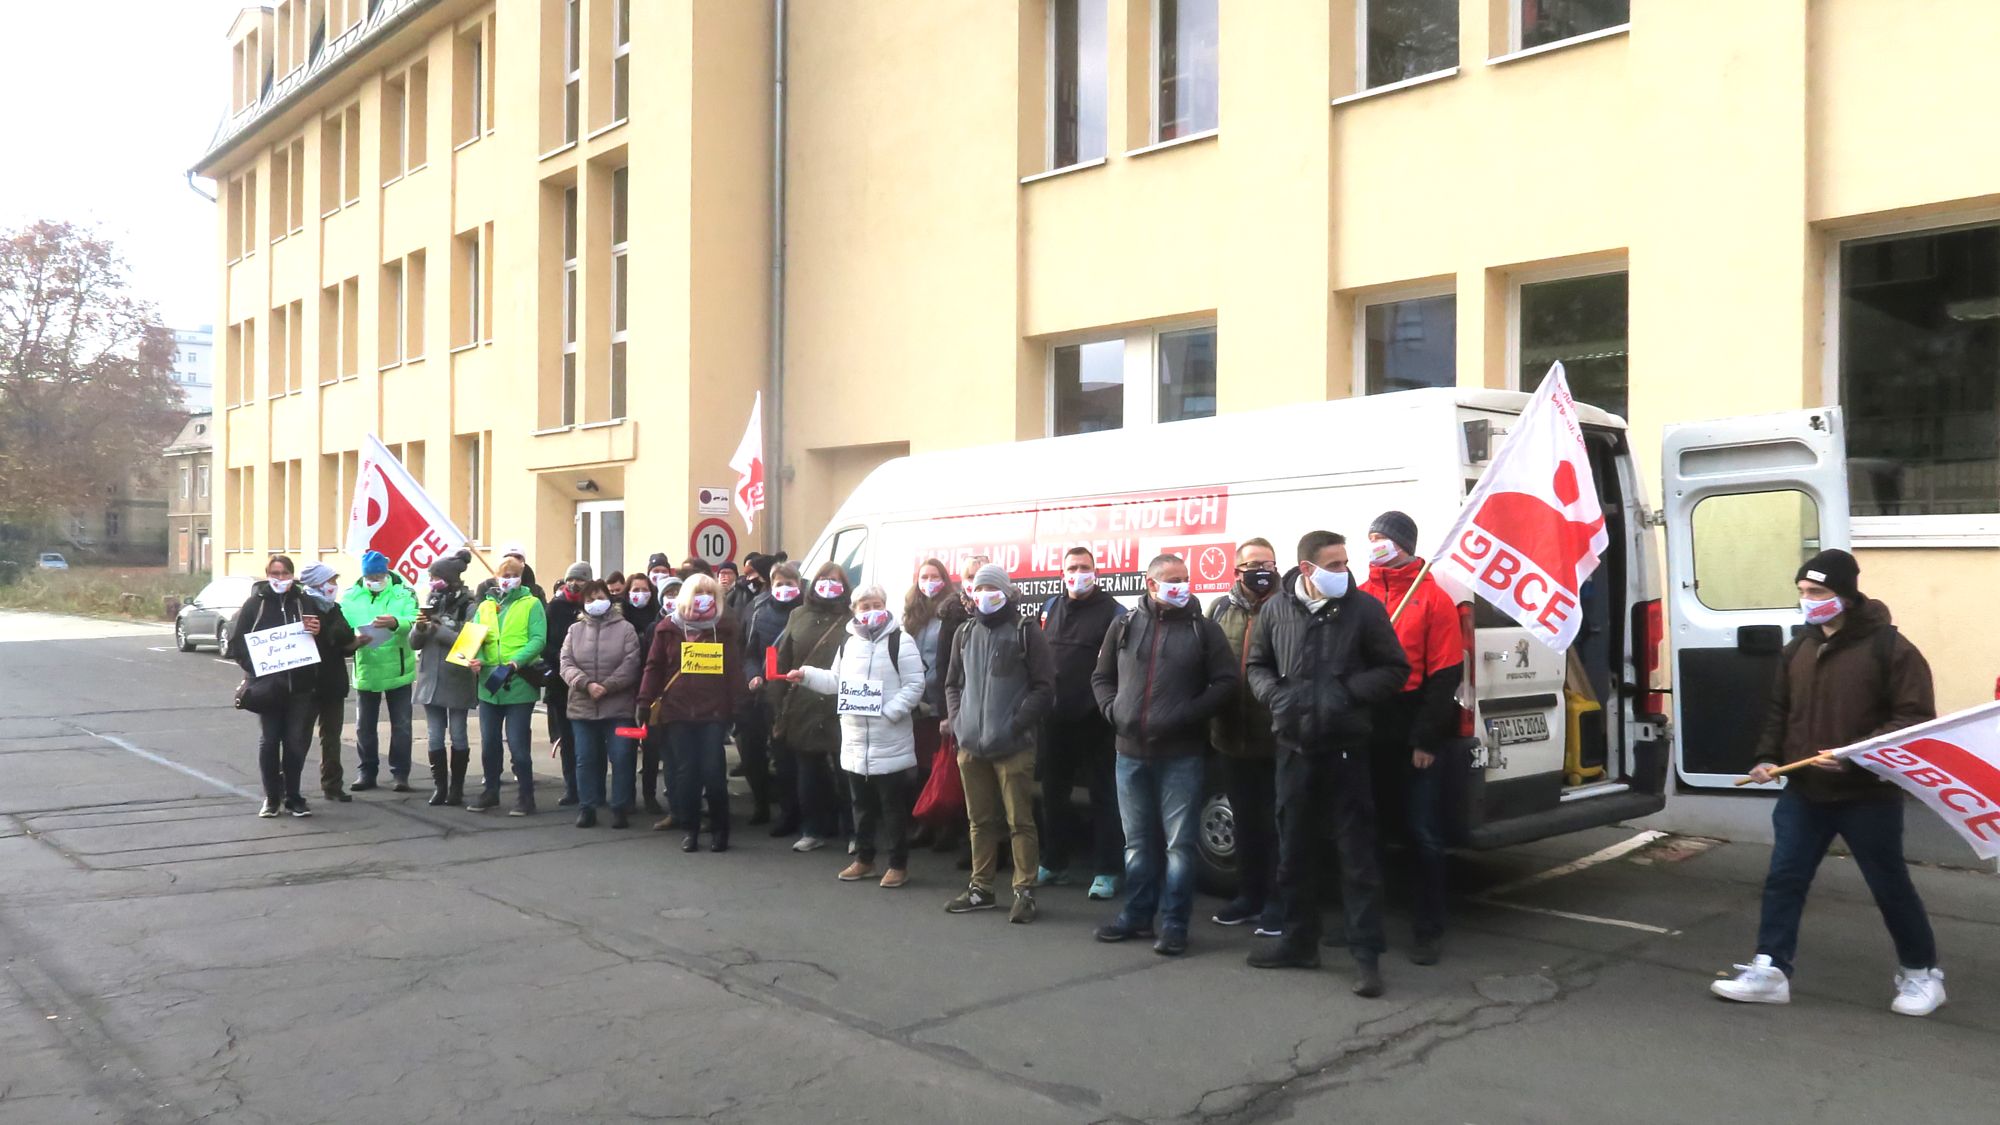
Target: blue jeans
[(1157, 799), (597, 740), (519, 721), (437, 720), (368, 710), (704, 766), (1873, 830)]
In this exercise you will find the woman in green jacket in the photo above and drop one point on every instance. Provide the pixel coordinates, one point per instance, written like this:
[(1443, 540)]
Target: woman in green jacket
[(516, 630)]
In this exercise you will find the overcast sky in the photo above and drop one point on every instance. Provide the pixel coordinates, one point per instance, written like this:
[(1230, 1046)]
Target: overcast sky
[(107, 103)]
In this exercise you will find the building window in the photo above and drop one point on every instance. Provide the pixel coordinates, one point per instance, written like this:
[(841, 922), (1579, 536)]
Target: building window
[(405, 111), (389, 318), (568, 412), (287, 348), (469, 497), (201, 481), (1542, 22), (1580, 321), (572, 67), (413, 305), (340, 160), (283, 508), (281, 192), (1088, 387), (1187, 374), (1919, 372), (1184, 56), (620, 288), (240, 216), (621, 60), (1409, 344), (340, 331), (187, 483), (467, 289), (468, 102), (1404, 39), (1077, 82)]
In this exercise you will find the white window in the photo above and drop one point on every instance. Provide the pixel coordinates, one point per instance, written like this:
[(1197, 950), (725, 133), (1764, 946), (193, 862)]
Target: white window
[(572, 67), (1405, 39), (1077, 82), (1140, 377), (621, 59), (1407, 341), (620, 287), (1185, 37), (187, 483), (1187, 374), (1581, 320), (1538, 23), (1087, 387), (201, 480), (569, 308), (1917, 368)]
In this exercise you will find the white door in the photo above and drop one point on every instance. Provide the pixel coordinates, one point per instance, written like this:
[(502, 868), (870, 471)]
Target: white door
[(1747, 501), (600, 535)]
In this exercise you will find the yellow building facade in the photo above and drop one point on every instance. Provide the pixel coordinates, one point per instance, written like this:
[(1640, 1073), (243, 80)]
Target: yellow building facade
[(1004, 219)]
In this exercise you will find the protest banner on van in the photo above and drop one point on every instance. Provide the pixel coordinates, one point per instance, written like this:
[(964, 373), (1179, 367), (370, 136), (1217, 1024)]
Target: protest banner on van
[(1950, 764), (393, 514), (1532, 530), (281, 648)]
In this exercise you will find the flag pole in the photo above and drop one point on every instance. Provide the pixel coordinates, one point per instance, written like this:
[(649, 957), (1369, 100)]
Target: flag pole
[(1822, 756), (1410, 593), (1904, 735)]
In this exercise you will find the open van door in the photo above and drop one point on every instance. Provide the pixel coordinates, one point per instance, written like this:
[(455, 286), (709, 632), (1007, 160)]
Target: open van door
[(1747, 500)]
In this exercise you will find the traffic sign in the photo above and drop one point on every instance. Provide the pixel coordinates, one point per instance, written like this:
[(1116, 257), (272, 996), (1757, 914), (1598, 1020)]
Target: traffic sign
[(713, 542), (711, 501)]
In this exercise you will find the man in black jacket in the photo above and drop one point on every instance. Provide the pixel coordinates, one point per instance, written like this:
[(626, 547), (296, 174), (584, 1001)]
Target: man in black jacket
[(1078, 746), (1322, 654), (1163, 673), (563, 610)]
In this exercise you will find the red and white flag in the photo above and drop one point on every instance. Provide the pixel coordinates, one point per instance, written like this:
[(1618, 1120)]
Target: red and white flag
[(1951, 764), (749, 466), (1532, 530), (392, 514)]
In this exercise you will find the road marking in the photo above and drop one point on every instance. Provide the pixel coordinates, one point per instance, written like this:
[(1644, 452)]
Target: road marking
[(171, 764), (1574, 917), (1602, 855)]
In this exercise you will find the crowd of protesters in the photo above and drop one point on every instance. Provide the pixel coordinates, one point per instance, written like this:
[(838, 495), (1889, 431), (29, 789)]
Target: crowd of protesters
[(966, 715)]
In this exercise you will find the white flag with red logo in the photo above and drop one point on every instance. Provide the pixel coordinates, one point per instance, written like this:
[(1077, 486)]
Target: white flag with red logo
[(392, 514), (1532, 530), (1951, 764), (749, 466)]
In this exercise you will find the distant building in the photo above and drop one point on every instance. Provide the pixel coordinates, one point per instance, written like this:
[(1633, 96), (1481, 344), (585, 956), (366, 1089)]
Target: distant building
[(188, 461), (194, 367)]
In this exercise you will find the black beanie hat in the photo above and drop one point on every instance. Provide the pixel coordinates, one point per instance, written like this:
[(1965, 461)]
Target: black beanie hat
[(1835, 570), (451, 568), (727, 565), (1397, 528), (659, 561), (760, 564)]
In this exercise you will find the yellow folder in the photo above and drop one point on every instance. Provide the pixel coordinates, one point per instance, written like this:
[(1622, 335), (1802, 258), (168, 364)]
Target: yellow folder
[(470, 636)]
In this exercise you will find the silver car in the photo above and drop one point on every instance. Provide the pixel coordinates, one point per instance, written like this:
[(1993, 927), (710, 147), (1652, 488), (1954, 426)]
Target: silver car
[(209, 618)]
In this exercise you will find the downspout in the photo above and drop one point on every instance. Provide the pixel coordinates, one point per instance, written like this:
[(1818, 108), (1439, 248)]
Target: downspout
[(774, 406)]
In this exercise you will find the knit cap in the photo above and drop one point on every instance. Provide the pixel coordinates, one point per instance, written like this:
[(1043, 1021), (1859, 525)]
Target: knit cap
[(992, 574), (1397, 528), (1836, 570)]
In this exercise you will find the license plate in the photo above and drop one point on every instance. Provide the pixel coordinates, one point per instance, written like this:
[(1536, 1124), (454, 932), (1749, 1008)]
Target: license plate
[(1511, 729)]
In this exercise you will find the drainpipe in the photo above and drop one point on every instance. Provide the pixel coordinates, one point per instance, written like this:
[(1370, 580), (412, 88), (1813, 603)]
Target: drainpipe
[(774, 397)]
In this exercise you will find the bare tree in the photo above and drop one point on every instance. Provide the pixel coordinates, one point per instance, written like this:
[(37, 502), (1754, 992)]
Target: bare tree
[(87, 398)]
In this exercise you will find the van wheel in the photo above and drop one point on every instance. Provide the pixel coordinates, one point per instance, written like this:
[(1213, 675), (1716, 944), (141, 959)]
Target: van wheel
[(1215, 836)]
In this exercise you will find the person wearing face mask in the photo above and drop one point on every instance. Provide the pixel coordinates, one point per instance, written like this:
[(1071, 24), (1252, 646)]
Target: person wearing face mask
[(764, 625), (600, 665), (923, 623), (1001, 682), (1847, 677), (336, 642), (447, 692), (563, 610), (1078, 746), (1246, 749), (642, 608), (288, 697), (520, 554), (1164, 671), (736, 593), (879, 677), (517, 631), (1322, 654), (692, 685), (656, 768), (805, 722), (1416, 732), (382, 610)]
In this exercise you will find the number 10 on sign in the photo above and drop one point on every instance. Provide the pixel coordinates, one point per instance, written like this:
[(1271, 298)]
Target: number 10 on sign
[(713, 542)]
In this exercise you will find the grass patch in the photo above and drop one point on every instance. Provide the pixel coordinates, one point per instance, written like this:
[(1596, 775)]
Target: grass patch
[(132, 593)]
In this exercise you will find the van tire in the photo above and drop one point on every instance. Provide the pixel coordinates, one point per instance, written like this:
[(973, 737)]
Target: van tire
[(1215, 838)]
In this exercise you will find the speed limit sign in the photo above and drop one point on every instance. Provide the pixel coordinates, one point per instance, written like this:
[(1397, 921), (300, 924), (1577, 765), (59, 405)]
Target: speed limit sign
[(713, 542)]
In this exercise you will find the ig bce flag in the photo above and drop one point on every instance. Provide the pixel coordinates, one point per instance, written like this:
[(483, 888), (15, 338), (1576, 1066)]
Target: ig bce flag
[(392, 514), (749, 466), (1532, 530), (1950, 764)]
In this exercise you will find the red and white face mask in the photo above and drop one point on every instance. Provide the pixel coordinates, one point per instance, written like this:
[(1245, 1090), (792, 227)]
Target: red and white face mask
[(829, 588), (1819, 611), (1080, 581)]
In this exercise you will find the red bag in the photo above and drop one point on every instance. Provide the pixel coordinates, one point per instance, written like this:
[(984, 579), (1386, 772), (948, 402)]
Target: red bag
[(943, 800)]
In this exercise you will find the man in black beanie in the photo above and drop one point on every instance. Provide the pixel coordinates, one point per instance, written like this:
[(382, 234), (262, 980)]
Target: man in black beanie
[(1847, 677)]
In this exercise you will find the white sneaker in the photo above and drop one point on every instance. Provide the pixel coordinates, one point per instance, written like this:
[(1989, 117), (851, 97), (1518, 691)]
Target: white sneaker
[(1919, 992), (1759, 982), (809, 844)]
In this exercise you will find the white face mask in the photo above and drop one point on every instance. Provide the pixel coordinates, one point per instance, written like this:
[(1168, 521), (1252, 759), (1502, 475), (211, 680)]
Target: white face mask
[(828, 588), (640, 597), (872, 619), (597, 607), (1175, 594), (1330, 583), (331, 590), (1819, 611), (989, 602), (508, 584), (1382, 552), (785, 593), (280, 585), (930, 586), (375, 585), (704, 604), (1080, 581), (660, 578)]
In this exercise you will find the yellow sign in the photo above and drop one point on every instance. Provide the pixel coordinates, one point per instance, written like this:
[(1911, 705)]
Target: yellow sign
[(463, 650), (701, 658)]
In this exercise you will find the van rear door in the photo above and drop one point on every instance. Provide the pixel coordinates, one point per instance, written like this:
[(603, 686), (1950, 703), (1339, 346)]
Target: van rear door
[(1747, 500)]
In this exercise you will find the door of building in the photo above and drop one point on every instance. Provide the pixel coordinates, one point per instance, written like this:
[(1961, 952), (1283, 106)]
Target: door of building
[(600, 535)]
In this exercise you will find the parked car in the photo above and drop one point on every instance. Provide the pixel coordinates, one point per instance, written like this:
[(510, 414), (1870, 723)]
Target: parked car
[(211, 616), (51, 560)]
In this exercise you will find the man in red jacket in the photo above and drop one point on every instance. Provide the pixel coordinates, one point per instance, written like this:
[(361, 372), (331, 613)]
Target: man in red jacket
[(1414, 730)]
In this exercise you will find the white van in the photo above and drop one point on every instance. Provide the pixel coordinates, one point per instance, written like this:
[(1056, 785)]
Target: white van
[(1557, 745)]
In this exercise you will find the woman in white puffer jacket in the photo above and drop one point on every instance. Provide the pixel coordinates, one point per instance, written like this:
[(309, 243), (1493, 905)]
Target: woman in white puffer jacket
[(878, 679)]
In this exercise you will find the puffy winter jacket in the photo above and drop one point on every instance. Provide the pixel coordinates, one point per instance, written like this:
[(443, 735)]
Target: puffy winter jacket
[(1162, 674), (1320, 671), (1242, 725), (873, 745), (1434, 643), (517, 629), (602, 650), (441, 684), (391, 664), (1002, 679), (1075, 628), (804, 721)]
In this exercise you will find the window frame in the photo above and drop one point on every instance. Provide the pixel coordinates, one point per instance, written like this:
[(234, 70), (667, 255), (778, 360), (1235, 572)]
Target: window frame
[(1140, 361), (621, 54), (570, 373), (620, 286), (1567, 271), (1049, 165), (1153, 137), (1363, 86), (572, 110), (1959, 529), (1363, 301), (1516, 36)]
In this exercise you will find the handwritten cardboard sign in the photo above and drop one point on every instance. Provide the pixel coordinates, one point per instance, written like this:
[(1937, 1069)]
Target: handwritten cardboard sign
[(701, 658), (859, 697), (282, 648)]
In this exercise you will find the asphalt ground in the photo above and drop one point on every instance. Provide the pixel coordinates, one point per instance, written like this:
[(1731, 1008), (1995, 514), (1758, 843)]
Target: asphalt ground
[(166, 956)]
